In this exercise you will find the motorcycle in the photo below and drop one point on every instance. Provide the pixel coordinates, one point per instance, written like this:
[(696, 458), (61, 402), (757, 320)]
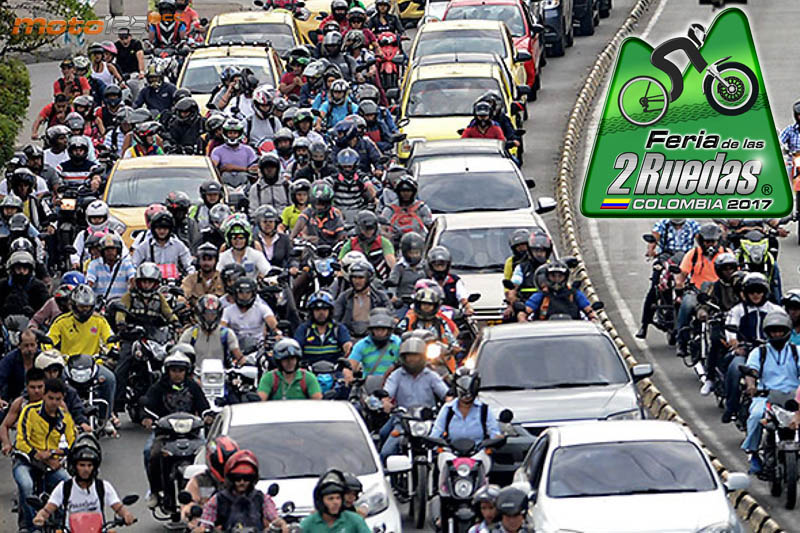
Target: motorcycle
[(149, 348), (276, 291), (80, 522), (666, 266), (366, 395), (391, 61), (228, 386), (780, 445), (467, 327), (321, 263), (82, 373)]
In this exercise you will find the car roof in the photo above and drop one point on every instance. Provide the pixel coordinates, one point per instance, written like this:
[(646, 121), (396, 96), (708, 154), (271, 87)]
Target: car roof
[(462, 164), (460, 25), (246, 414), (448, 146), (549, 328), (196, 161), (229, 51), (246, 17), (619, 431), (458, 70), (460, 58), (489, 219)]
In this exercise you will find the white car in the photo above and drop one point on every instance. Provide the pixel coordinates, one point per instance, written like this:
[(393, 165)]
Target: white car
[(626, 476), (296, 441)]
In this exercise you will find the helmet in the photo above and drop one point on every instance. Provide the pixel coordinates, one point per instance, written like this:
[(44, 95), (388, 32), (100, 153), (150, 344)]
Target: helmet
[(233, 125), (482, 109), (22, 244), (723, 261), (303, 114), (409, 242), (148, 271), (556, 267), (218, 451), (332, 42), (72, 278), (283, 135), (242, 463), (230, 273), (178, 359), (86, 447), (338, 86), (427, 296), (316, 68), (237, 225), (352, 484), (166, 5), (755, 282), (354, 39), (98, 209), (286, 348), (263, 97), (184, 105), (208, 311), (368, 93), (84, 296), (320, 300), (414, 344), (380, 317), (289, 115), (20, 258), (791, 298), (517, 237), (512, 501), (112, 95), (357, 12), (321, 192), (49, 358), (367, 107), (85, 101), (32, 150), (778, 319), (487, 493), (297, 186), (540, 241), (23, 176), (18, 223), (210, 187), (439, 254), (54, 132), (218, 214), (366, 221), (143, 130), (81, 62), (347, 160), (406, 182), (245, 285), (12, 200), (281, 104), (362, 269), (467, 382), (109, 46), (162, 219), (345, 130), (151, 211), (331, 482), (178, 200), (78, 142), (710, 232), (350, 258), (111, 240), (215, 121)]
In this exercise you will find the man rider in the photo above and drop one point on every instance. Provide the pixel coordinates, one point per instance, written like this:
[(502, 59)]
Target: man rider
[(211, 194), (204, 484), (530, 250), (406, 213), (377, 248), (250, 316), (239, 241), (773, 367), (512, 505), (353, 306), (288, 382), (321, 337), (790, 136), (559, 298), (168, 30), (321, 223), (439, 261), (207, 279), (408, 270), (791, 303), (272, 188), (376, 353), (158, 95), (110, 274), (483, 127), (187, 126), (162, 247), (210, 339), (20, 291), (330, 514), (186, 229)]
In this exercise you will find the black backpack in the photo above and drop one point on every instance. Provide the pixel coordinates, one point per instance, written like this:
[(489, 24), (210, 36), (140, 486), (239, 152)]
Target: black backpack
[(99, 487)]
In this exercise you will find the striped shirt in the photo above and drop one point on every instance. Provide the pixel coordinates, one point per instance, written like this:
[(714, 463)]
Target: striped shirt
[(366, 353), (99, 275), (318, 347), (790, 136)]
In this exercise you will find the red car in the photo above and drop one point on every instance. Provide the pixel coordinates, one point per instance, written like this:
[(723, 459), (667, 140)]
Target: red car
[(525, 29)]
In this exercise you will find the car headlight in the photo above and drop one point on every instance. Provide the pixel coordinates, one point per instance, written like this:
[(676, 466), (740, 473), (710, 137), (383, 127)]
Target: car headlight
[(408, 144), (420, 428), (551, 3), (632, 414), (376, 500), (81, 375), (463, 488)]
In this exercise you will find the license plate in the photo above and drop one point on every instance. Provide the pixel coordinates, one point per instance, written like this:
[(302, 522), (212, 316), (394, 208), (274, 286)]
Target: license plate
[(494, 322)]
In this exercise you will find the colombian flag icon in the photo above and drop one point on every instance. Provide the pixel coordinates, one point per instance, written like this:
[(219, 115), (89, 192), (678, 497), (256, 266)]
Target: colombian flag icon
[(615, 203)]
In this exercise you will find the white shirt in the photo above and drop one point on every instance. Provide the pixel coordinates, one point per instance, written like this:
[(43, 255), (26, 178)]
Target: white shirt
[(53, 159), (82, 500), (250, 323), (253, 261), (41, 187)]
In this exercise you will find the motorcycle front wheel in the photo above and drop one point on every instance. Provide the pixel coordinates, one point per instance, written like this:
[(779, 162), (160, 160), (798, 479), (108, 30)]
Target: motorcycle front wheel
[(420, 498), (739, 96), (790, 474)]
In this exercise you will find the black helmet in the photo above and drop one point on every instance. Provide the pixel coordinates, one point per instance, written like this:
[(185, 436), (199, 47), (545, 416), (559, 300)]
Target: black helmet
[(556, 267), (85, 448), (244, 285), (791, 298), (406, 182), (512, 501), (229, 274), (412, 241), (187, 104), (163, 219), (321, 192), (210, 187), (366, 221), (710, 232), (352, 484), (368, 92), (482, 109), (467, 382), (331, 482), (362, 269), (517, 237), (301, 184)]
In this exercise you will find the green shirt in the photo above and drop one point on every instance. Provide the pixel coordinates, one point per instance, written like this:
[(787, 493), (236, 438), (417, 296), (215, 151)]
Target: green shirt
[(348, 522), (286, 391), (290, 215)]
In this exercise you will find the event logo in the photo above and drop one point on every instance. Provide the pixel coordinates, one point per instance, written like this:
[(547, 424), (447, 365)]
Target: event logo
[(701, 143)]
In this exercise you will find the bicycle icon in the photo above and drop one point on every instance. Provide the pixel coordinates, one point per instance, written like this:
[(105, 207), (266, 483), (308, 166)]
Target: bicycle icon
[(730, 87)]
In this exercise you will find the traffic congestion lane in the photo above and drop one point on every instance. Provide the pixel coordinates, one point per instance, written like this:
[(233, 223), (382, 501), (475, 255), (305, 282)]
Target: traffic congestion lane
[(562, 78), (614, 250)]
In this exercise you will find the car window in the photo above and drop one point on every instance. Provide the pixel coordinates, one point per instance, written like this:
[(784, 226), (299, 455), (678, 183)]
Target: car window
[(473, 191), (535, 463), (478, 250), (510, 14), (549, 362), (461, 41), (280, 35), (650, 467), (447, 97), (141, 187), (302, 449), (203, 75)]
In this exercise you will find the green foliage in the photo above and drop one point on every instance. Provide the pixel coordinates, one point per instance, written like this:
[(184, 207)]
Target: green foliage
[(15, 92), (50, 10)]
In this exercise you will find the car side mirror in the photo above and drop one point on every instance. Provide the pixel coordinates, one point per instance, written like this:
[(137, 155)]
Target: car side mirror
[(537, 29), (130, 499), (533, 496), (523, 56), (736, 481), (545, 204), (530, 183), (474, 297), (571, 262), (273, 490), (506, 416), (641, 371)]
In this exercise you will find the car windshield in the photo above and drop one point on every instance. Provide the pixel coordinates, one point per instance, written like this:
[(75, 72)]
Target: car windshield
[(447, 97), (510, 14), (141, 187), (550, 362), (279, 35), (649, 467), (479, 250), (461, 41), (303, 449), (202, 75), (473, 191)]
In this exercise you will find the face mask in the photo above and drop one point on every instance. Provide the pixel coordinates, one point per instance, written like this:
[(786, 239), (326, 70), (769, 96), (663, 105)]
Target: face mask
[(778, 344), (270, 180), (439, 275), (284, 151), (20, 279), (318, 163), (302, 159)]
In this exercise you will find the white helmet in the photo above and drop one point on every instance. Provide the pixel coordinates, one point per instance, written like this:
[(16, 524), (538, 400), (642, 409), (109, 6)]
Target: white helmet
[(49, 358), (178, 359), (351, 258), (98, 208)]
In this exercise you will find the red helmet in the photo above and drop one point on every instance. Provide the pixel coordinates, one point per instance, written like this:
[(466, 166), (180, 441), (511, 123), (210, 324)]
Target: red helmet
[(218, 452), (151, 211), (242, 463)]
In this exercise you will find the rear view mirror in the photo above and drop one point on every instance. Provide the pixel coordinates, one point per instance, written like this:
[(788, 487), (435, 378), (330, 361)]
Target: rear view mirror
[(737, 481), (545, 204), (130, 499), (571, 262), (530, 183), (427, 413), (641, 371), (536, 29), (508, 285), (273, 490), (649, 238), (524, 90), (506, 416), (523, 56), (396, 464), (598, 305), (474, 297)]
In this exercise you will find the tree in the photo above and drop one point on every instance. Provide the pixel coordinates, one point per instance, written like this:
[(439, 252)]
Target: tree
[(24, 26)]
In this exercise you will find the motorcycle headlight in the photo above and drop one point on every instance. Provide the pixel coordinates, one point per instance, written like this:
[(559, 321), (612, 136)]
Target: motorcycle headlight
[(632, 414), (463, 470), (374, 403), (420, 428), (784, 417), (376, 499), (462, 488), (181, 427), (213, 378), (158, 351), (81, 375), (434, 351)]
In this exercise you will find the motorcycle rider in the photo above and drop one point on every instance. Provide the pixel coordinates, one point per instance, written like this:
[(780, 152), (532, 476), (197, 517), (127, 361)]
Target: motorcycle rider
[(167, 30), (158, 95), (234, 159), (57, 139), (455, 292), (144, 137), (408, 270), (13, 367), (213, 233), (321, 223), (790, 136), (322, 337), (384, 21), (320, 166), (332, 51), (530, 250), (283, 142), (240, 504), (377, 248), (162, 247), (211, 194), (37, 165), (34, 391), (262, 125), (175, 392), (772, 367), (298, 193), (353, 489), (697, 267), (304, 126), (351, 133), (407, 213), (22, 184), (239, 247), (512, 505), (80, 162), (558, 298), (210, 339), (203, 485), (272, 188), (207, 279), (250, 314), (376, 353), (353, 306), (747, 317), (20, 291), (84, 492), (97, 223), (110, 274), (484, 503), (791, 303), (186, 229), (275, 245), (287, 381), (483, 127), (330, 513), (185, 128)]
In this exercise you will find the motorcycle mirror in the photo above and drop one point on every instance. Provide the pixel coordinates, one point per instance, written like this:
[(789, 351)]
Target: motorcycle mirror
[(460, 131), (274, 271), (598, 305), (284, 325), (393, 94), (343, 362), (571, 262), (196, 511), (530, 183), (474, 297), (399, 137), (296, 252), (675, 269), (70, 250), (112, 339), (204, 21), (287, 508), (130, 499), (258, 3), (35, 502), (506, 416), (403, 122), (427, 413), (508, 285), (381, 394), (792, 405), (273, 490), (648, 237)]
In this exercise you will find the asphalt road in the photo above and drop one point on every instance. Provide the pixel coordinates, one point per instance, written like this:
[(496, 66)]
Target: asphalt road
[(614, 250)]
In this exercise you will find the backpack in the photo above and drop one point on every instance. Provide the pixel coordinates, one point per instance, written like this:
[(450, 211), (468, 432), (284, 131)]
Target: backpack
[(545, 305), (484, 416), (405, 220), (225, 505), (99, 487), (276, 383), (762, 357)]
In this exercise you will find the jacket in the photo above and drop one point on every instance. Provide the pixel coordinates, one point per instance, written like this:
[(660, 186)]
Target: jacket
[(343, 309), (159, 402), (25, 299), (37, 431)]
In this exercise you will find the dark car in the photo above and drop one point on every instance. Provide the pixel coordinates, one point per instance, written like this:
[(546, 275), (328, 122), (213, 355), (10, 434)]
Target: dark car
[(558, 35), (552, 373), (605, 8), (586, 15)]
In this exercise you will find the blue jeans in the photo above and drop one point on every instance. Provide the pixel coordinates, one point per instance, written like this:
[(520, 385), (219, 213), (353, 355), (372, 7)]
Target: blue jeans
[(753, 438), (732, 377), (106, 391), (684, 317), (23, 476), (147, 447), (391, 445)]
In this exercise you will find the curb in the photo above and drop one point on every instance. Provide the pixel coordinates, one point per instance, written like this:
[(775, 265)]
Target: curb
[(748, 509)]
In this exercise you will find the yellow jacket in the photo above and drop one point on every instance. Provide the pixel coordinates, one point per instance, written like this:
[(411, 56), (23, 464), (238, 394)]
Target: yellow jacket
[(72, 337), (36, 431)]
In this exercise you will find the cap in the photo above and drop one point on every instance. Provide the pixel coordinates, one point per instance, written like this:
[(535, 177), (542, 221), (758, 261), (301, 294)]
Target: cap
[(123, 32)]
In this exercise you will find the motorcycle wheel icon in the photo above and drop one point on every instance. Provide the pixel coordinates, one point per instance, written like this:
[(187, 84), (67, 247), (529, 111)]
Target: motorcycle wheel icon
[(730, 88)]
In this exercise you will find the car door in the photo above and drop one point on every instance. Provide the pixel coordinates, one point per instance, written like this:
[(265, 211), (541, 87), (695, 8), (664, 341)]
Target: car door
[(534, 473), (517, 69), (535, 41)]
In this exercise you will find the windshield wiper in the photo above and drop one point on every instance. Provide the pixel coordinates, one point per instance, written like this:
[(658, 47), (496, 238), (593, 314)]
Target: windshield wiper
[(476, 267), (633, 491), (571, 384), (503, 387)]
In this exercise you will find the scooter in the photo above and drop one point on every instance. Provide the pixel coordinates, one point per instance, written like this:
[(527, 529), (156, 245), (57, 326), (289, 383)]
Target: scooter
[(82, 373)]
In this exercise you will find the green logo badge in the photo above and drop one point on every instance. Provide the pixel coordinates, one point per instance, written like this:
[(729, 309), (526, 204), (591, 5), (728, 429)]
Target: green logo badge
[(701, 143)]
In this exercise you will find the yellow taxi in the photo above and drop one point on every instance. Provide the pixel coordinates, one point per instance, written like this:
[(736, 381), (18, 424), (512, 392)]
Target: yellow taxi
[(319, 9), (471, 36), (137, 182), (438, 92), (277, 26), (412, 10), (202, 68)]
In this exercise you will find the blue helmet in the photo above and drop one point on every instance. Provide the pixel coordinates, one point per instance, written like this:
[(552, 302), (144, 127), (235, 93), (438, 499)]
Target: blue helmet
[(344, 131), (321, 300), (347, 161), (73, 277)]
